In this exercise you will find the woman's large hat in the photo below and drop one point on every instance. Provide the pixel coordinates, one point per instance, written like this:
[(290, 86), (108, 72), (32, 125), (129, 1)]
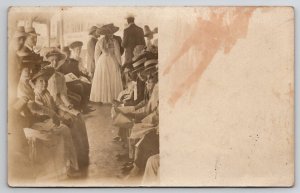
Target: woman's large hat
[(56, 53), (46, 72), (150, 67), (108, 29), (75, 44)]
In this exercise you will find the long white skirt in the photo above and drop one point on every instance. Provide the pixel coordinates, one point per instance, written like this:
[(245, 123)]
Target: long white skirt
[(107, 82)]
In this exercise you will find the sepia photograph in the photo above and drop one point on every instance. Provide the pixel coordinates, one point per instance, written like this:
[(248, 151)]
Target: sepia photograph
[(151, 96), (83, 96)]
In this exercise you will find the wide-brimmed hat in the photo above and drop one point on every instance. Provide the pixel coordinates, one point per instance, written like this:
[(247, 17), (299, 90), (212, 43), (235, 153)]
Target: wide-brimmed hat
[(20, 32), (92, 29), (46, 72), (75, 44), (31, 31), (108, 29), (56, 53), (150, 67), (66, 49), (138, 65)]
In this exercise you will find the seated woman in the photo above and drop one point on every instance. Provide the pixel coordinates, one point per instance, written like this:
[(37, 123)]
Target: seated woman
[(79, 86), (58, 90), (58, 157)]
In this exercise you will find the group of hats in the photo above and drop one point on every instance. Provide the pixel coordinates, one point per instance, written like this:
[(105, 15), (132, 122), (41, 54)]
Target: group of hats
[(104, 29), (21, 31), (47, 71), (145, 65)]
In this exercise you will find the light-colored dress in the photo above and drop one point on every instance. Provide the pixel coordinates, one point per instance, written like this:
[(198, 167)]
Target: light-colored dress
[(58, 89), (107, 82)]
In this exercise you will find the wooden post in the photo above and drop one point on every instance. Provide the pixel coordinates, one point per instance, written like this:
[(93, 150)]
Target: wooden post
[(48, 32), (61, 31)]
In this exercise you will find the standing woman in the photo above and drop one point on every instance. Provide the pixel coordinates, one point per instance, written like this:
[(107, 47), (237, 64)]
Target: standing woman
[(107, 82)]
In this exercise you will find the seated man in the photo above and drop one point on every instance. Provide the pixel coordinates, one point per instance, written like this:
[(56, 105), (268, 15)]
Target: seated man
[(79, 86)]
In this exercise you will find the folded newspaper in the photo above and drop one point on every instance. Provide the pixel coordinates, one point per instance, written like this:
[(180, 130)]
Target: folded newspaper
[(70, 77)]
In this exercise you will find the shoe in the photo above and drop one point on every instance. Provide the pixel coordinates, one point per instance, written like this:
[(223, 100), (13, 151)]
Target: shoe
[(128, 163), (127, 169), (87, 110)]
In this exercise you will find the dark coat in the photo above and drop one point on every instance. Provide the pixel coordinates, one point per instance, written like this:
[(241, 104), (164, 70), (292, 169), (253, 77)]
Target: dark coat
[(133, 36), (71, 66)]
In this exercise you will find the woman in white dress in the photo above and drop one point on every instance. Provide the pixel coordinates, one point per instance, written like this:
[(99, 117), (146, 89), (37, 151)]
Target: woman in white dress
[(107, 82)]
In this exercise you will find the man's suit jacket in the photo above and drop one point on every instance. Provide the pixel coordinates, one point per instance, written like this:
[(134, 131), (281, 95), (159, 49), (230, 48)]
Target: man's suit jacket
[(119, 40), (90, 54), (133, 36)]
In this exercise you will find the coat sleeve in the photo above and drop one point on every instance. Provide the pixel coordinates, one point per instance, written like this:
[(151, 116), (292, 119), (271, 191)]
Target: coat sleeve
[(125, 39), (142, 39)]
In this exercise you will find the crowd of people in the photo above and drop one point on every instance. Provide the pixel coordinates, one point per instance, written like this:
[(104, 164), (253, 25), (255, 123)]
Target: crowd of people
[(51, 89)]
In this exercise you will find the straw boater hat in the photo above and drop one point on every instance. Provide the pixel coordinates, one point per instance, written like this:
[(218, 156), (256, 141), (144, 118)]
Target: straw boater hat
[(138, 65), (20, 32), (31, 31), (46, 72), (150, 67), (75, 44)]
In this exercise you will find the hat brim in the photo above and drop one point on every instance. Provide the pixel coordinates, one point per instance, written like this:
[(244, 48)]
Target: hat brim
[(46, 72), (139, 69), (148, 71), (59, 55), (108, 30), (75, 45)]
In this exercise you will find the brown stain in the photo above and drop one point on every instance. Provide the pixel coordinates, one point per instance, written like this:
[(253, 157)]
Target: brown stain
[(209, 36)]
